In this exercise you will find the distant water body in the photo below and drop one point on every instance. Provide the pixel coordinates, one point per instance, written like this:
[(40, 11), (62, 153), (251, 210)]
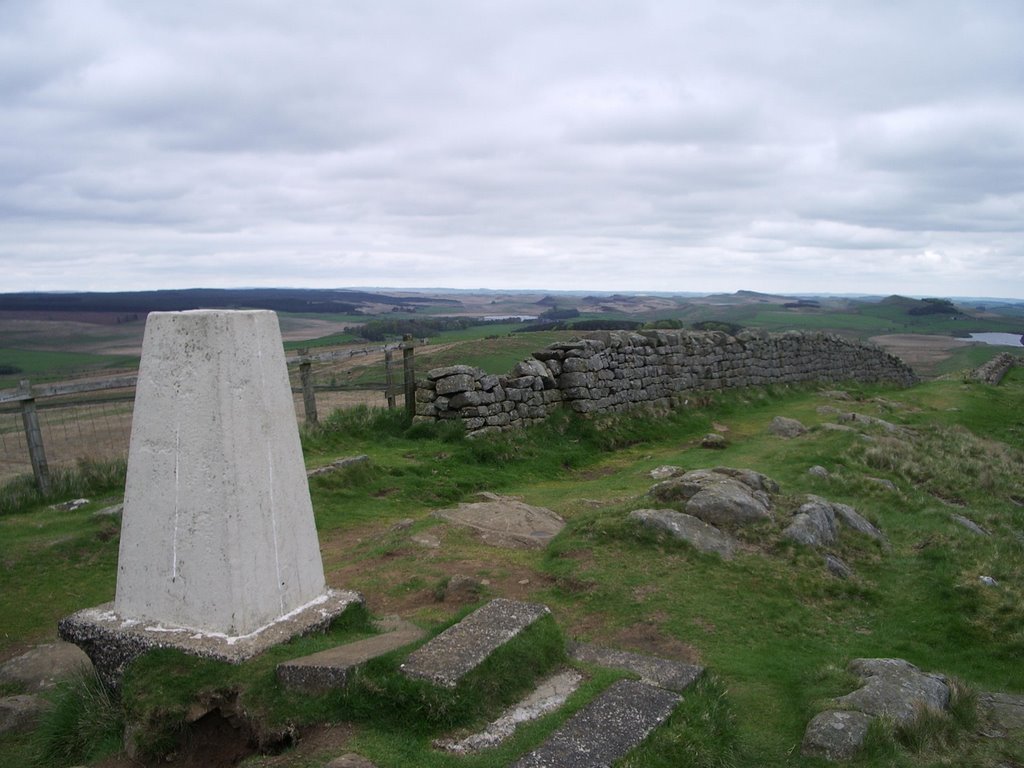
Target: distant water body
[(998, 339)]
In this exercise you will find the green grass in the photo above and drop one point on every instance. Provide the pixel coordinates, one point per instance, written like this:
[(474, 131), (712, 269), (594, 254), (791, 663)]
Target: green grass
[(40, 365), (773, 627)]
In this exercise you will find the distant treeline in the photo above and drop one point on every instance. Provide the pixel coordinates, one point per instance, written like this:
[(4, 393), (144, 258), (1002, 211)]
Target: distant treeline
[(934, 307), (277, 299)]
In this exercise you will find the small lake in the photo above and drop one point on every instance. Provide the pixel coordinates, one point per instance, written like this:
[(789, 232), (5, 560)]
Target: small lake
[(998, 339)]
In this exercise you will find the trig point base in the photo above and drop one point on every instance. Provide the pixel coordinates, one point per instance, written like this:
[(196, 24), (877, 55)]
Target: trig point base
[(219, 555)]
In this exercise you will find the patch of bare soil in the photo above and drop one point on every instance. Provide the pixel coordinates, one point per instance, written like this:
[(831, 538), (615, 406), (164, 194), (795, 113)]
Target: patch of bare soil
[(920, 352), (646, 637)]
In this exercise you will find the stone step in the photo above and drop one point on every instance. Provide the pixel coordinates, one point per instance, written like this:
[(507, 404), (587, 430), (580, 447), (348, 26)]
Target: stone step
[(605, 730), (664, 673), (331, 668), (461, 648)]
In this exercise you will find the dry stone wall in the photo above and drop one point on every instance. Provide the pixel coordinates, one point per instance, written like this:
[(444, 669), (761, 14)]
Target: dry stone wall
[(995, 369), (612, 371)]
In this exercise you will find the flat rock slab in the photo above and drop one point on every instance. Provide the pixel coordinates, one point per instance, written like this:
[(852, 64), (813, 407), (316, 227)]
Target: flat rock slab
[(664, 673), (113, 642), (504, 521), (605, 730), (551, 694), (461, 648), (1005, 710), (331, 668), (41, 667)]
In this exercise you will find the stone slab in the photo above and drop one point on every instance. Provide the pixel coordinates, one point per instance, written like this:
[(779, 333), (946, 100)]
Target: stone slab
[(664, 673), (461, 648), (1005, 710), (505, 521), (605, 730), (39, 668), (551, 694), (331, 668), (112, 641)]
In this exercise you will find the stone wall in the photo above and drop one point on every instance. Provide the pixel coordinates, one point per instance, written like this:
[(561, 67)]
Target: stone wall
[(995, 369), (616, 370)]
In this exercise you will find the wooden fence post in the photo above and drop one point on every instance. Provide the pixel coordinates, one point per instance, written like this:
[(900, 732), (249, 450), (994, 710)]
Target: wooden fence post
[(389, 378), (34, 438), (308, 393), (409, 372)]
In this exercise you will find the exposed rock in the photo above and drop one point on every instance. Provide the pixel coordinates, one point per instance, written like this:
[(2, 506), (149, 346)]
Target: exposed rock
[(836, 394), (42, 667), (721, 496), (896, 689), (871, 421), (889, 485), (835, 734), (338, 464), (713, 441), (814, 524), (988, 581), (818, 471), (426, 540), (750, 478), (783, 426), (817, 523), (114, 510), (830, 427), (851, 518), (695, 532), (892, 688), (20, 713), (72, 505), (969, 524), (1004, 710), (837, 567), (665, 471), (462, 589), (504, 521)]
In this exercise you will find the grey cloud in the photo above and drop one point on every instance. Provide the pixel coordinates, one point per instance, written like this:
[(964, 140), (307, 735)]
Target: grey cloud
[(554, 142)]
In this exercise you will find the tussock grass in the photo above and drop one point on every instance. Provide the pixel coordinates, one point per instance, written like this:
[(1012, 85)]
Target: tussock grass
[(701, 733), (84, 723), (87, 478)]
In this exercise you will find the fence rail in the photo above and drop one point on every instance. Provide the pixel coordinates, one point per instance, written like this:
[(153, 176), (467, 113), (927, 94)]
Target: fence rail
[(61, 423)]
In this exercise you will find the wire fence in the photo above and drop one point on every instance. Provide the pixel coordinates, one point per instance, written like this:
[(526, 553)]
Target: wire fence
[(70, 422), (94, 430)]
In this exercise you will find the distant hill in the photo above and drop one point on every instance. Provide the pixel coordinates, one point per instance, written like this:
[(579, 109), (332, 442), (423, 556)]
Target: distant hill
[(278, 299)]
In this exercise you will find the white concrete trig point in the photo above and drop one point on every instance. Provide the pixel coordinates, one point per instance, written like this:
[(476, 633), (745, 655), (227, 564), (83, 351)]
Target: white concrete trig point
[(219, 554)]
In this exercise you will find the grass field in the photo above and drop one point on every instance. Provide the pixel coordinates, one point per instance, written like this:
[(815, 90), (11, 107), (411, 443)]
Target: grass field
[(40, 365), (773, 626)]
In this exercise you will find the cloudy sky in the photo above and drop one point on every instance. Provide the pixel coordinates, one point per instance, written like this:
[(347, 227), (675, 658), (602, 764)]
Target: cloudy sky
[(700, 145)]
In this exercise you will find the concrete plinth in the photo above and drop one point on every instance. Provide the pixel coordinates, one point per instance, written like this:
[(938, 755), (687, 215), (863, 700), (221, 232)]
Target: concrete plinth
[(218, 540)]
